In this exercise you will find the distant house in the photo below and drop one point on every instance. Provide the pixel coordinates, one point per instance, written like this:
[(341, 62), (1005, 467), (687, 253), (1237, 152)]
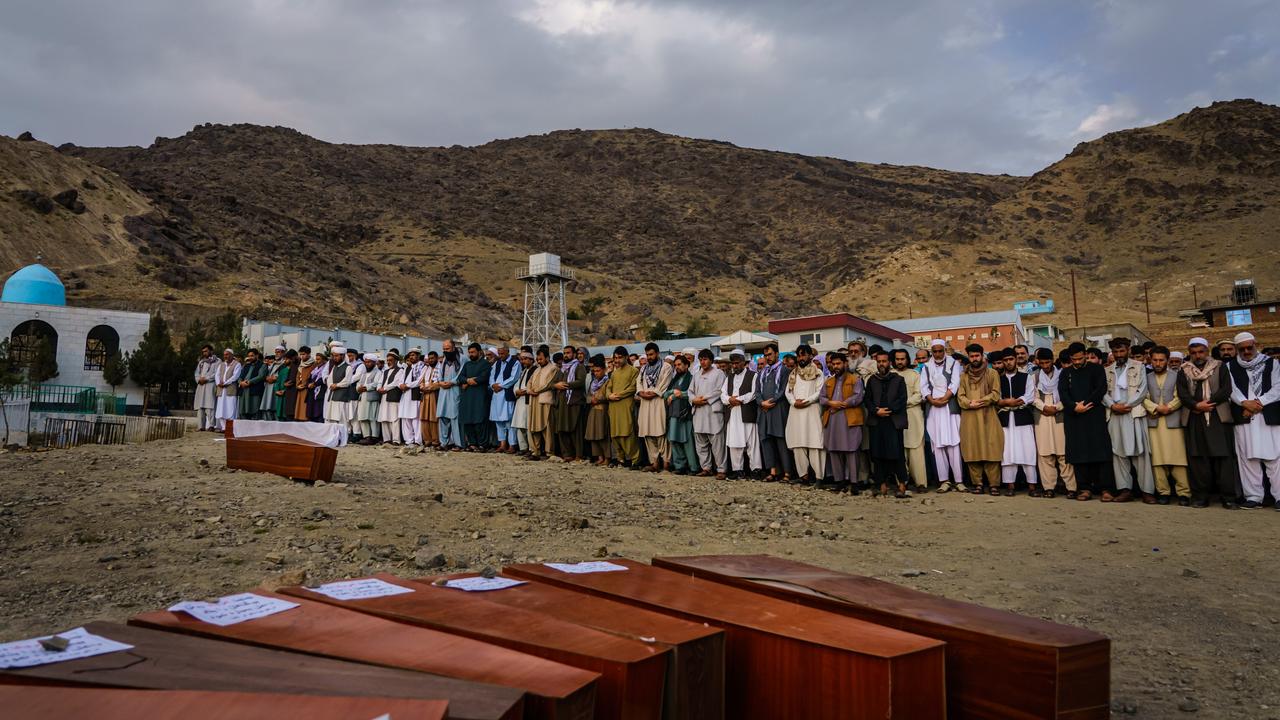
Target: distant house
[(834, 332), (992, 330)]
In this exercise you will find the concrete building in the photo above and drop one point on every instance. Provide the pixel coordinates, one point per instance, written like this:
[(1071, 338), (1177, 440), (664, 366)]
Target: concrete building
[(33, 308), (1101, 335), (834, 332), (267, 335), (992, 330)]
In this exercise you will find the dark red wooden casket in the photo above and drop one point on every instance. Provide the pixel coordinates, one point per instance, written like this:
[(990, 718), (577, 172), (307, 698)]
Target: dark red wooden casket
[(999, 664), (632, 673), (783, 660), (557, 691), (280, 454)]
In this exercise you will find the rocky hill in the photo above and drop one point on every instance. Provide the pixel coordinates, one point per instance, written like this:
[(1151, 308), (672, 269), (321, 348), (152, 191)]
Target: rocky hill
[(275, 223)]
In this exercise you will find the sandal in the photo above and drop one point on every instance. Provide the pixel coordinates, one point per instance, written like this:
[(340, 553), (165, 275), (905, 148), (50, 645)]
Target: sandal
[(902, 492), (991, 490), (1036, 492), (945, 488), (1071, 494), (1046, 494), (1084, 495), (1008, 491), (1107, 496)]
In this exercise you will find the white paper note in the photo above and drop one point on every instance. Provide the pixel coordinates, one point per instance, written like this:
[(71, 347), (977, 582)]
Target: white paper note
[(360, 589), (583, 568), (233, 609), (481, 584), (29, 653)]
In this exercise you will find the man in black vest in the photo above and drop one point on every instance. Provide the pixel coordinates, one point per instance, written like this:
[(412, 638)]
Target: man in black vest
[(1204, 387), (1082, 388), (739, 398), (886, 412), (1255, 403), (1017, 398)]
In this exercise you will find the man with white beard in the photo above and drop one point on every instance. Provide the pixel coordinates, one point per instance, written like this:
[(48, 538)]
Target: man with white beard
[(1255, 402), (939, 383)]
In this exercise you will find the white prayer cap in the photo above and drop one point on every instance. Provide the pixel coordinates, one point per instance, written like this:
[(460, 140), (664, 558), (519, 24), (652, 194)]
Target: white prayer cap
[(669, 358), (280, 348), (1176, 354), (1244, 337), (228, 350), (1197, 341), (492, 350), (373, 356), (415, 350), (937, 343), (338, 350), (526, 354), (688, 351), (738, 352)]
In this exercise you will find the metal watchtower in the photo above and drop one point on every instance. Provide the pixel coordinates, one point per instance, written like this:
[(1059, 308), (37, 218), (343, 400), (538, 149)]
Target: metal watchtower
[(545, 314)]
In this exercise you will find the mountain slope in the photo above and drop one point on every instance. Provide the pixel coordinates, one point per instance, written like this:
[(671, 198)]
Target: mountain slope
[(278, 224)]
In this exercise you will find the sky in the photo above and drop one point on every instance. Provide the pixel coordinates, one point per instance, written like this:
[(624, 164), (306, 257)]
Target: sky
[(985, 85)]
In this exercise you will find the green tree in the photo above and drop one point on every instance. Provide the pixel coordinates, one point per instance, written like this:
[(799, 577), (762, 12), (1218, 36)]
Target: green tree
[(592, 309), (698, 327), (44, 362), (657, 330), (116, 370), (11, 376), (154, 362)]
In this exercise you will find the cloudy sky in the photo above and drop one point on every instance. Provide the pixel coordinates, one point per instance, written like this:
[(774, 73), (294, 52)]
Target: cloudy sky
[(992, 86)]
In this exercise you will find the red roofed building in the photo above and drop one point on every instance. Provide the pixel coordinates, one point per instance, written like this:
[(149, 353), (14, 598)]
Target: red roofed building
[(834, 332)]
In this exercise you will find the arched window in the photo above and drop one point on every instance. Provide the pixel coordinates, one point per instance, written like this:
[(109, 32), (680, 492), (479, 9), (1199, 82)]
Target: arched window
[(102, 342), (34, 341)]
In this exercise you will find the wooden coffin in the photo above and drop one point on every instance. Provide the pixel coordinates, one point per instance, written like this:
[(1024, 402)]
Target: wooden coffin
[(632, 673), (999, 664), (783, 660), (59, 703), (556, 691), (695, 668), (170, 661), (281, 455)]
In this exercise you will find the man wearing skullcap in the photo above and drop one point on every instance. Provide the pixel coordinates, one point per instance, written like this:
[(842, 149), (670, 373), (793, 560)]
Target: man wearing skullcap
[(739, 399), (205, 401), (302, 384), (981, 438), (393, 376), (1127, 425), (939, 382), (1176, 358), (1225, 349), (428, 417), (447, 397), (1165, 428), (502, 403), (804, 420), (339, 383), (520, 410), (370, 400), (1255, 402), (227, 382)]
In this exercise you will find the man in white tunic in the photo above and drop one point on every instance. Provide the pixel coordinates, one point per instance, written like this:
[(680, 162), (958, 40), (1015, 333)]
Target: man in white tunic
[(206, 399), (1255, 403), (1017, 398), (738, 395), (708, 416), (1127, 424), (939, 383), (368, 381), (411, 398), (389, 408), (354, 369), (804, 422), (226, 381), (520, 410), (340, 382)]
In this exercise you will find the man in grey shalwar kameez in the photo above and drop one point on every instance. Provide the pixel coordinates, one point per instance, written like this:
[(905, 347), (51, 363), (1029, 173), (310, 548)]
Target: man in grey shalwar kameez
[(1127, 424)]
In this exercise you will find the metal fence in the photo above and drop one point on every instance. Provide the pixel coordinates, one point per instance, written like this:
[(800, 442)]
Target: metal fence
[(58, 398), (68, 433)]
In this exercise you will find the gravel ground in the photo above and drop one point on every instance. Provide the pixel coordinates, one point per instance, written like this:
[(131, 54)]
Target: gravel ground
[(1189, 597)]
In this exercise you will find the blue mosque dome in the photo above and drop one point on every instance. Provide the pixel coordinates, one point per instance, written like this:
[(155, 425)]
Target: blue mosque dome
[(34, 285)]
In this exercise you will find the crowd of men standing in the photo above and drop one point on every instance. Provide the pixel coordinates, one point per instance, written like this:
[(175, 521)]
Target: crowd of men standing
[(1183, 427)]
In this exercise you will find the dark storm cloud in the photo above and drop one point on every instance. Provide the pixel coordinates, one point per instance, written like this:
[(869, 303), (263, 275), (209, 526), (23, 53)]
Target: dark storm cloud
[(1000, 85)]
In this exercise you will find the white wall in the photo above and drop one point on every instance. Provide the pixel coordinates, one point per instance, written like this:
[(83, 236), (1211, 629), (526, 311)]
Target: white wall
[(73, 325)]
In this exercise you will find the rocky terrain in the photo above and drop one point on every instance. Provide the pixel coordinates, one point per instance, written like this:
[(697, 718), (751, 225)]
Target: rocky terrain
[(283, 226), (1187, 596)]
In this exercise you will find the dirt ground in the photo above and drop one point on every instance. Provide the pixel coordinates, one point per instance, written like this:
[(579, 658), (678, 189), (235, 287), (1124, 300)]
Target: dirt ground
[(1188, 597)]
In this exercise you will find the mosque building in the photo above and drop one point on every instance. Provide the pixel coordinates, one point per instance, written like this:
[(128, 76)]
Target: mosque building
[(33, 307)]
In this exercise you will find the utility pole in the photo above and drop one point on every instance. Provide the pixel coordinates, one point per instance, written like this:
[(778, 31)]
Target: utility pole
[(975, 302), (1146, 299), (1195, 299), (1075, 308)]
